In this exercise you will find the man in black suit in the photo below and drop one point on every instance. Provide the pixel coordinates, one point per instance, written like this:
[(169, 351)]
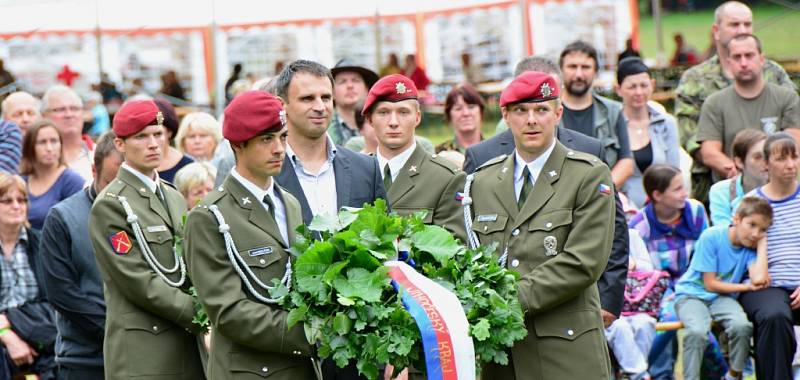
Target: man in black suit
[(611, 284), (321, 175)]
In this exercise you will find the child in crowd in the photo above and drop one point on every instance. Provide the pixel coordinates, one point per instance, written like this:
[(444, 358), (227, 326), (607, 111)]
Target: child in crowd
[(631, 336), (708, 290)]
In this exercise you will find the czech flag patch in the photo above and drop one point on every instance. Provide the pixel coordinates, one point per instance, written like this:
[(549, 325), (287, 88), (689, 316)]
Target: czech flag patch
[(459, 196), (604, 189), (120, 243)]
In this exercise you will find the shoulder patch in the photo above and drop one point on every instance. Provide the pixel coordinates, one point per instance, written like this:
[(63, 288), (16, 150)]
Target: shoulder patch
[(445, 163), (585, 157), (493, 161)]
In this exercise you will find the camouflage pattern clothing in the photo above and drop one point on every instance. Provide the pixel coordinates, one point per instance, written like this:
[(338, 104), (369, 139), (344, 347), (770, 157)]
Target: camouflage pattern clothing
[(453, 145), (704, 79), (339, 131), (698, 83)]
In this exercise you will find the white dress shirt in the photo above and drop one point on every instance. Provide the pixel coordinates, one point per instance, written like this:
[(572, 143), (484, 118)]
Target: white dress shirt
[(534, 167), (259, 193), (397, 162), (319, 188)]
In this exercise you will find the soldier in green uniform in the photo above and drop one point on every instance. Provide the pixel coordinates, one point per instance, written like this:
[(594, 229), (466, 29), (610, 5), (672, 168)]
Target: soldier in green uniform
[(237, 242), (699, 82), (414, 179), (134, 225), (550, 209)]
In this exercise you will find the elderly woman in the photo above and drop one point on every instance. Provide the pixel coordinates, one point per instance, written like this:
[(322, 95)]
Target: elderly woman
[(49, 179), (653, 135), (194, 181), (463, 110), (198, 136), (21, 289), (774, 310)]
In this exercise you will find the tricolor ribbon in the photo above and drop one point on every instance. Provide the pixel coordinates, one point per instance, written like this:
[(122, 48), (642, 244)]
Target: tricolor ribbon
[(443, 325)]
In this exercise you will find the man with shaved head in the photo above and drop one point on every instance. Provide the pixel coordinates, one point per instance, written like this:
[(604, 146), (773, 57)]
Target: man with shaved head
[(699, 82), (22, 108)]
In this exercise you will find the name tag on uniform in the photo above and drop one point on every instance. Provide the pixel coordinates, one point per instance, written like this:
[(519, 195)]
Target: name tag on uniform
[(161, 228), (487, 218), (259, 251)]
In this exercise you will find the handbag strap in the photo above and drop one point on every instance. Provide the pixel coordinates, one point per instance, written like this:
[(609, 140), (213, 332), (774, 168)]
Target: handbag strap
[(732, 189), (651, 282)]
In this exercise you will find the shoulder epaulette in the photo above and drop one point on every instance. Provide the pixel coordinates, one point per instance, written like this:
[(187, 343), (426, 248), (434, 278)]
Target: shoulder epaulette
[(163, 182), (445, 163), (493, 161), (581, 156)]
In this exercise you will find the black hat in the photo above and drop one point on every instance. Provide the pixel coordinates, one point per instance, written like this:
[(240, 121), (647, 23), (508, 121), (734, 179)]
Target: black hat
[(344, 64)]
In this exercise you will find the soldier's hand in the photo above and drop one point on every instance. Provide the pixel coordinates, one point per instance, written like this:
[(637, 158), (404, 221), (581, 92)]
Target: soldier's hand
[(387, 374), (19, 351), (207, 341), (608, 318)]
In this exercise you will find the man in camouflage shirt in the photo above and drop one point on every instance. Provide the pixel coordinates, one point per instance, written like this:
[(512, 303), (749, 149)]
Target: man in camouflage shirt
[(697, 83)]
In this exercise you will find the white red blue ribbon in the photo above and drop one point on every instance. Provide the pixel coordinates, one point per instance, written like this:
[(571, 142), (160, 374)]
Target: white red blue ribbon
[(443, 325)]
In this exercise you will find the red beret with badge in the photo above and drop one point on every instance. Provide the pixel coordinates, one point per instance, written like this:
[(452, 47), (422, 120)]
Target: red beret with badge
[(135, 116), (391, 88), (252, 113), (530, 87)]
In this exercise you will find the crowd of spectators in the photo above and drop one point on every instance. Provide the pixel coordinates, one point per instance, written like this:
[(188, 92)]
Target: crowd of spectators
[(724, 233)]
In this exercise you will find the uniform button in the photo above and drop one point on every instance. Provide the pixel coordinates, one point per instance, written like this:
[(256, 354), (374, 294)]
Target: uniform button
[(155, 328), (548, 225), (485, 228), (570, 153), (515, 232), (515, 263), (262, 261), (570, 332), (264, 369)]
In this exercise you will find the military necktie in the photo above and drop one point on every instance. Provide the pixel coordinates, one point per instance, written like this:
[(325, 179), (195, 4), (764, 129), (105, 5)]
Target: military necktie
[(162, 197), (270, 206), (526, 187), (387, 177)]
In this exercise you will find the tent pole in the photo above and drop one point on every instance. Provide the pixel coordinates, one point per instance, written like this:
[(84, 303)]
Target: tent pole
[(98, 35), (378, 53), (219, 90), (661, 57)]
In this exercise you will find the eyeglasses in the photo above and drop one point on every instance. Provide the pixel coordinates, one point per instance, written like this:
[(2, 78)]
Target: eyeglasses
[(8, 201), (61, 110)]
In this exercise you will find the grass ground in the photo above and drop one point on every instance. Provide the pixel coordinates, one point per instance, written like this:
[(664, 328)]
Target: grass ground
[(776, 26)]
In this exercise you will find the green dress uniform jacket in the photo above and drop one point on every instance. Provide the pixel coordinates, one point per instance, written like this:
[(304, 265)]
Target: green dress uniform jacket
[(429, 183), (249, 338), (559, 242), (149, 331)]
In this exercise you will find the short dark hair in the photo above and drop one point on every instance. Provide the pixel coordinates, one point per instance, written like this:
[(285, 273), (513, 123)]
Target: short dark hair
[(537, 63), (28, 160), (466, 92), (780, 143), (579, 47), (742, 37), (745, 140), (284, 79), (658, 177), (103, 148), (754, 206)]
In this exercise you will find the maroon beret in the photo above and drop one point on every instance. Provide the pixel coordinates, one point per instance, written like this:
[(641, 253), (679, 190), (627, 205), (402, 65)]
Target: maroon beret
[(252, 113), (530, 87), (391, 88), (135, 116)]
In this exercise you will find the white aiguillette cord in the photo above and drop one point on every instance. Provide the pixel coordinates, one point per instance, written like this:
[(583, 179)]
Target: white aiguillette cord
[(157, 267), (240, 266), (466, 203)]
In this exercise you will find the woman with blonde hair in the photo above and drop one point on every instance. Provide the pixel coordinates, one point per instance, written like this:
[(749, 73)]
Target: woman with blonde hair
[(198, 136), (194, 181)]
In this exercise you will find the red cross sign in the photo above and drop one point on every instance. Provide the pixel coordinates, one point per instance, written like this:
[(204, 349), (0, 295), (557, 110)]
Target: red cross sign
[(67, 76), (120, 243)]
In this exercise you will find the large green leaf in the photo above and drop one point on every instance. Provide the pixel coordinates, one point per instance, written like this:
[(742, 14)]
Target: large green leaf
[(362, 284), (438, 242)]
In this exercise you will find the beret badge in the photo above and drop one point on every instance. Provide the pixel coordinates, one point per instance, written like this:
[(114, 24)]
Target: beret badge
[(546, 90), (282, 116), (400, 88), (160, 118)]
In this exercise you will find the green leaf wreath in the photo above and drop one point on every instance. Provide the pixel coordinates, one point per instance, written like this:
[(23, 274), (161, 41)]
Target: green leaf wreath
[(342, 293)]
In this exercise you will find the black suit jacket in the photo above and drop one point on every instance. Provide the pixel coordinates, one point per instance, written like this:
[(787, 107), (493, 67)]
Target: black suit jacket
[(358, 181), (611, 284)]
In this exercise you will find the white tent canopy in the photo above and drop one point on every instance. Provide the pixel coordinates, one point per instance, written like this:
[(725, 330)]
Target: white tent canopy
[(81, 15)]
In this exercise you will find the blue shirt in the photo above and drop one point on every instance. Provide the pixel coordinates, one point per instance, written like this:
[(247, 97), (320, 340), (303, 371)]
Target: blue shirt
[(714, 253), (721, 204), (68, 183)]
